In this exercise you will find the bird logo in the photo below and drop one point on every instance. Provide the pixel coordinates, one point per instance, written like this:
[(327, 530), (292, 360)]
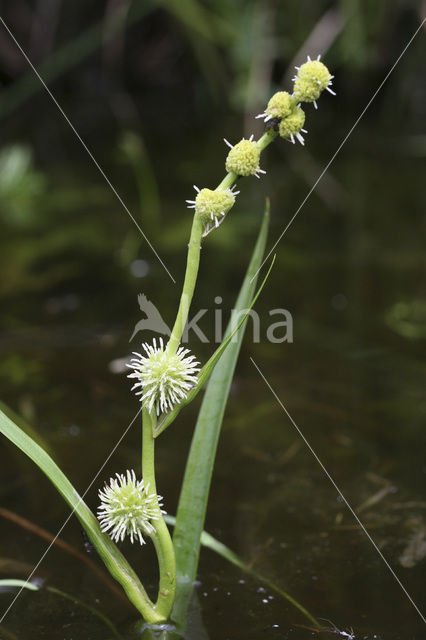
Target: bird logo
[(153, 320)]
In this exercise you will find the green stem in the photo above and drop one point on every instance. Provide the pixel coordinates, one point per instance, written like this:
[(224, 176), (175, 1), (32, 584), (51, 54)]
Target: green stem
[(161, 538), (193, 259), (192, 263), (268, 137), (228, 181)]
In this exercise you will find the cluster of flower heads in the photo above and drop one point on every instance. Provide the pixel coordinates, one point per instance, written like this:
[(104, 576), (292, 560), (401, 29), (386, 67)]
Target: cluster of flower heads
[(311, 79), (163, 379), (287, 117), (127, 508)]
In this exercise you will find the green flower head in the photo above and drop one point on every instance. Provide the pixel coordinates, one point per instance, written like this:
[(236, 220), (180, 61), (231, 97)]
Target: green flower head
[(243, 158), (291, 126), (279, 106), (311, 80), (212, 206)]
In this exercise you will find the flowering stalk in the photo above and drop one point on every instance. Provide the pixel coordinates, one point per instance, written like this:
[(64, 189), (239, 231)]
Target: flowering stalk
[(194, 247), (284, 117), (160, 537), (192, 263)]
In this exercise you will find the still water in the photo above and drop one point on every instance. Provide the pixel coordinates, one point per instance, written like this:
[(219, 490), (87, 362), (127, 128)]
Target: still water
[(350, 273)]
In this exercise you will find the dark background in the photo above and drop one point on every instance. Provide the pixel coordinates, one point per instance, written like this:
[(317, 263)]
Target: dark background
[(152, 88)]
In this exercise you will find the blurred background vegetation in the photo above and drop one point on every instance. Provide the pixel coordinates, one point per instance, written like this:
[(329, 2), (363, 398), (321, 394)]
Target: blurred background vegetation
[(152, 87)]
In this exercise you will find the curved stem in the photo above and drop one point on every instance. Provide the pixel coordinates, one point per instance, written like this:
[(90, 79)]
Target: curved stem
[(161, 538)]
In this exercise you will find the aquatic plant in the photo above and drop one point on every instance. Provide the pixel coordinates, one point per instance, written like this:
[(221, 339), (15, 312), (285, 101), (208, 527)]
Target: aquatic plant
[(167, 377)]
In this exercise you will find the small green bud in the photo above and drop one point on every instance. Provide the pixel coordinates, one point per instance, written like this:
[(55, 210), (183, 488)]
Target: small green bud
[(291, 126), (212, 206), (311, 80), (243, 159)]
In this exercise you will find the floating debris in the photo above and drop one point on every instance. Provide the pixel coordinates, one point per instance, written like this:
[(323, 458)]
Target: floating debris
[(415, 550)]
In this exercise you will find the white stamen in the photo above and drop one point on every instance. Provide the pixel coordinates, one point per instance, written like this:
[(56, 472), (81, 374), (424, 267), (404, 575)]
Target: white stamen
[(127, 508), (162, 380)]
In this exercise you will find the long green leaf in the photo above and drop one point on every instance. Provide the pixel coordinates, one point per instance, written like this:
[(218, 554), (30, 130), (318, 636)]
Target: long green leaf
[(198, 472), (22, 424), (115, 562), (208, 368)]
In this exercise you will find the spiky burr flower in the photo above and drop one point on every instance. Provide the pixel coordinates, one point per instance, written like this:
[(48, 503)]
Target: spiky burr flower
[(279, 106), (127, 508), (243, 159), (310, 81), (212, 206), (162, 379), (292, 125)]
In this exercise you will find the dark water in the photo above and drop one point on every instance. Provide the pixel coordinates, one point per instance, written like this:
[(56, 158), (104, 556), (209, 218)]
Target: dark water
[(351, 272)]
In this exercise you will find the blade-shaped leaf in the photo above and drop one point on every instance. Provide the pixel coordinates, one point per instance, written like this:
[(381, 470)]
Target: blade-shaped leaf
[(107, 550), (196, 484), (206, 371), (22, 424)]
